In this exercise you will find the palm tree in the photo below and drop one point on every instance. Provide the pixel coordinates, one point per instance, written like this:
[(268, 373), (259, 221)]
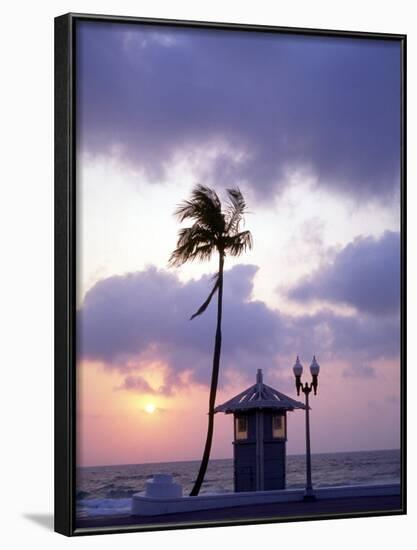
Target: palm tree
[(214, 231)]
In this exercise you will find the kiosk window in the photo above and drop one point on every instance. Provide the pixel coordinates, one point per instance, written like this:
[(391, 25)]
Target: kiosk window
[(278, 426), (241, 427)]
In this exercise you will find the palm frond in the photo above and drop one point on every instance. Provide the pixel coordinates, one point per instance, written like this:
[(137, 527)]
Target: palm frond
[(206, 195), (186, 210), (194, 242), (235, 210), (235, 245), (205, 305), (195, 233), (204, 207)]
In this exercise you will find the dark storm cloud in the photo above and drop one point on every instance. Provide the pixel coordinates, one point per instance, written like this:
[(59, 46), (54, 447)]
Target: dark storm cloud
[(365, 274), (144, 316), (330, 105)]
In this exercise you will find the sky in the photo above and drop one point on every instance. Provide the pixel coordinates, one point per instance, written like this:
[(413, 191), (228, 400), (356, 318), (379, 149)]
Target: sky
[(308, 128)]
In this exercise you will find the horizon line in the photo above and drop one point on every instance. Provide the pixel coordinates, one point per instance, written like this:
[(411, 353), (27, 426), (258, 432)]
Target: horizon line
[(230, 458)]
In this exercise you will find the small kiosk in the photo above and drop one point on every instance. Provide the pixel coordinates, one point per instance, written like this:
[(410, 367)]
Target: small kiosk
[(260, 435)]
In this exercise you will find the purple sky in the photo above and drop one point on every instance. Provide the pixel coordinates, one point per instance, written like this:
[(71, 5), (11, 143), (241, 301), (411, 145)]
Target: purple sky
[(330, 104)]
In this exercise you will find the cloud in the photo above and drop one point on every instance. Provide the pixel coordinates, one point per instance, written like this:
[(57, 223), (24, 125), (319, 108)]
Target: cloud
[(365, 275), (137, 383), (359, 371), (128, 322), (344, 336), (260, 104)]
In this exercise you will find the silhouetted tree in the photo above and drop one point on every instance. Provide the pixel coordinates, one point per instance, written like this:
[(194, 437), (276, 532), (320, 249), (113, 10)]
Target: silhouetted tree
[(215, 230)]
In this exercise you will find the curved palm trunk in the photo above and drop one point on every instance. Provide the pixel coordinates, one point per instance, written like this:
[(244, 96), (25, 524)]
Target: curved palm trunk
[(213, 387)]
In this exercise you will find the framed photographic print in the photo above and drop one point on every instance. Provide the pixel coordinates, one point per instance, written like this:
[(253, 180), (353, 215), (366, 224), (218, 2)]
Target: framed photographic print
[(230, 274)]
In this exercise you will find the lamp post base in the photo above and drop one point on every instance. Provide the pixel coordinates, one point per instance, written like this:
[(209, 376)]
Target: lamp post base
[(309, 496)]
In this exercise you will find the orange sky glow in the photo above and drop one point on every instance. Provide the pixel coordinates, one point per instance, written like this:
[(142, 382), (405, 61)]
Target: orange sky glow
[(114, 428)]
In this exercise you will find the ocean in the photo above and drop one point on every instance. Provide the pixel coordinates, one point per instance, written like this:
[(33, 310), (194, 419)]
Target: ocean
[(106, 490)]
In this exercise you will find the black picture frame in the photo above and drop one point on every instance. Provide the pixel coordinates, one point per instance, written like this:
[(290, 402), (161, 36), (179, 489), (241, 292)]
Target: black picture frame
[(65, 266)]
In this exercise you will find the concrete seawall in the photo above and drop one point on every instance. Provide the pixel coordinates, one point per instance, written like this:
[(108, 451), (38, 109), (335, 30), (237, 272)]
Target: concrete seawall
[(143, 505)]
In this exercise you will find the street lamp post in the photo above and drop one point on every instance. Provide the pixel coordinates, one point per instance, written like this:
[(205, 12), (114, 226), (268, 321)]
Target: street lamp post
[(306, 389)]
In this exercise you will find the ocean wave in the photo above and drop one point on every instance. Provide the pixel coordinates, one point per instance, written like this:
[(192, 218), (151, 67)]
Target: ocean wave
[(95, 507), (107, 490), (129, 477), (79, 495), (121, 493)]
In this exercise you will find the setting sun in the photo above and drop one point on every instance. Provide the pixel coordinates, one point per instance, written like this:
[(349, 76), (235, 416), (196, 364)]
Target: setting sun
[(150, 408)]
